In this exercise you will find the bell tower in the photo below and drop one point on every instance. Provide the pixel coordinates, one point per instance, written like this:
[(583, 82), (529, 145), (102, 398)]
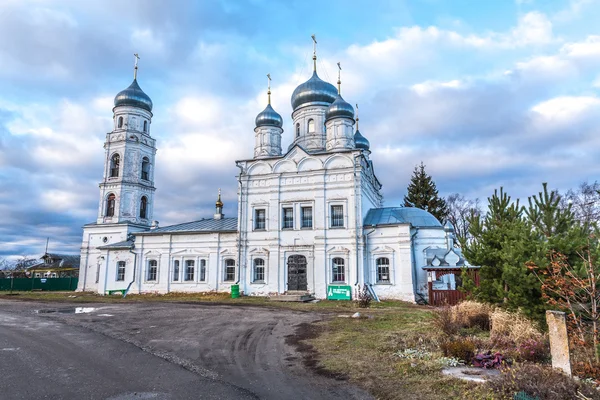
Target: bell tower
[(127, 188)]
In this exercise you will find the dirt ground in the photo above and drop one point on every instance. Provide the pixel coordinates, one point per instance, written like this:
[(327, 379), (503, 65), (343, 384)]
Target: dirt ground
[(253, 348)]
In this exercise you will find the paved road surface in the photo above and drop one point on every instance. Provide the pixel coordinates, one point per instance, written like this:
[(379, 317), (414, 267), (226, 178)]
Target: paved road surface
[(119, 349), (43, 359)]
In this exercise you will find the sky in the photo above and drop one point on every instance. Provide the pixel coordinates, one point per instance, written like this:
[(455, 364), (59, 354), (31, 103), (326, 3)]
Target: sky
[(485, 93)]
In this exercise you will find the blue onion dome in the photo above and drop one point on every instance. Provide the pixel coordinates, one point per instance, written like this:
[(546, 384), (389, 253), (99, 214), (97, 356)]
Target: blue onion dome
[(133, 96), (361, 142), (269, 117), (312, 91), (340, 109)]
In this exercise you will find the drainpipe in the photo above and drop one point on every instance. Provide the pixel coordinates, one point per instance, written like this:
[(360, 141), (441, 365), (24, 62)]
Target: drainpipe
[(218, 261), (169, 264), (134, 267), (85, 267), (414, 262), (141, 266), (106, 272), (240, 229), (370, 285), (356, 217)]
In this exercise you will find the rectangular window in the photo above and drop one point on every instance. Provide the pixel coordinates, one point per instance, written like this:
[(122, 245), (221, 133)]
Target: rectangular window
[(121, 271), (230, 270), (337, 216), (307, 218), (288, 218), (338, 270), (383, 270), (175, 270), (152, 270), (259, 220), (202, 270), (189, 270), (259, 270)]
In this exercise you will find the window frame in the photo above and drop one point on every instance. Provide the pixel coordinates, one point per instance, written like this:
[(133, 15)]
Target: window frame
[(202, 270), (152, 276), (145, 173), (144, 207), (228, 275), (189, 265), (258, 263), (145, 126), (115, 166), (380, 266), (335, 219), (303, 219), (308, 126), (257, 211), (284, 221), (111, 205), (335, 272), (176, 271), (121, 265), (297, 130), (120, 122)]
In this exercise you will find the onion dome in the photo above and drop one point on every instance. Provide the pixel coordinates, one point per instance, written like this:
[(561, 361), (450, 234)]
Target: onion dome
[(339, 109), (133, 96), (313, 91), (269, 117), (361, 142)]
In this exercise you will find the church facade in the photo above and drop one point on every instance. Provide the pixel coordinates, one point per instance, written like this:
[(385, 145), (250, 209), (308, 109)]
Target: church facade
[(308, 218)]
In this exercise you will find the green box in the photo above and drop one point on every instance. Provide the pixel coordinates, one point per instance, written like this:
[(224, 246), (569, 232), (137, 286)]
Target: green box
[(339, 292)]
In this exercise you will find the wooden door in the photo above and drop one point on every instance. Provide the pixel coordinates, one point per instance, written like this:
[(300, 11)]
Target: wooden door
[(297, 273)]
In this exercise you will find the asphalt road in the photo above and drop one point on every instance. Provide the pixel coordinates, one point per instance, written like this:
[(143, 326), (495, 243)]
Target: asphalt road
[(156, 351), (43, 359)]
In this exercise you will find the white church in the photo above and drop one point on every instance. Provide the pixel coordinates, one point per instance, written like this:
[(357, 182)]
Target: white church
[(308, 218)]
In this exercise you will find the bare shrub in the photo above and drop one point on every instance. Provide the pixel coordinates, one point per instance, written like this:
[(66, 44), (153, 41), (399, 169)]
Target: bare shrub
[(444, 321), (471, 314), (512, 326), (460, 348), (540, 382), (364, 297)]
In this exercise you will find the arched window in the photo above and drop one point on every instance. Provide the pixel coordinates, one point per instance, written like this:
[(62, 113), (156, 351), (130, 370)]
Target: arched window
[(144, 207), (338, 270), (311, 126), (115, 161), (145, 126), (190, 268), (175, 270), (383, 270), (145, 169), (110, 205), (202, 270), (152, 270), (297, 130), (229, 270), (120, 124), (259, 270), (121, 271)]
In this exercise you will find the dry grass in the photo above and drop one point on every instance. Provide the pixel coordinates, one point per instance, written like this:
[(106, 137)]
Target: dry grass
[(512, 326), (363, 351), (470, 313)]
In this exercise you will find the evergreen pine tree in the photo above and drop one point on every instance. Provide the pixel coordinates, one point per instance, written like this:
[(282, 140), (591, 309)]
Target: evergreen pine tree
[(502, 243), (423, 194)]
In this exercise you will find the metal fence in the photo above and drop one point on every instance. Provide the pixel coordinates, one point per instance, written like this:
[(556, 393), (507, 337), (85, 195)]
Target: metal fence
[(46, 284)]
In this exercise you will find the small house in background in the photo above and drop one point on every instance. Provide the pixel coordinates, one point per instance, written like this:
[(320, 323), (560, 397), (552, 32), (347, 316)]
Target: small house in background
[(444, 268), (56, 266)]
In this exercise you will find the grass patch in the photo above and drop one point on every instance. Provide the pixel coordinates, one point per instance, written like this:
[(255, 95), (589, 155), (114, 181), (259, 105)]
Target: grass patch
[(362, 350)]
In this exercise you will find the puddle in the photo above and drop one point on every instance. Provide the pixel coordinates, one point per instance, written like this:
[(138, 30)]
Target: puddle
[(76, 310)]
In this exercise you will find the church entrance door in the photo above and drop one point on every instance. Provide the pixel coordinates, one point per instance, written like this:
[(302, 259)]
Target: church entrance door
[(297, 273)]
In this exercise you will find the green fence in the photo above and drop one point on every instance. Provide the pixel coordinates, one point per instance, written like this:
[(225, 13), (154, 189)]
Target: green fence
[(28, 284)]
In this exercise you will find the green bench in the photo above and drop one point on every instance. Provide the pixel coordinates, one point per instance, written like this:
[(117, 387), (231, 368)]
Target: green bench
[(111, 292)]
